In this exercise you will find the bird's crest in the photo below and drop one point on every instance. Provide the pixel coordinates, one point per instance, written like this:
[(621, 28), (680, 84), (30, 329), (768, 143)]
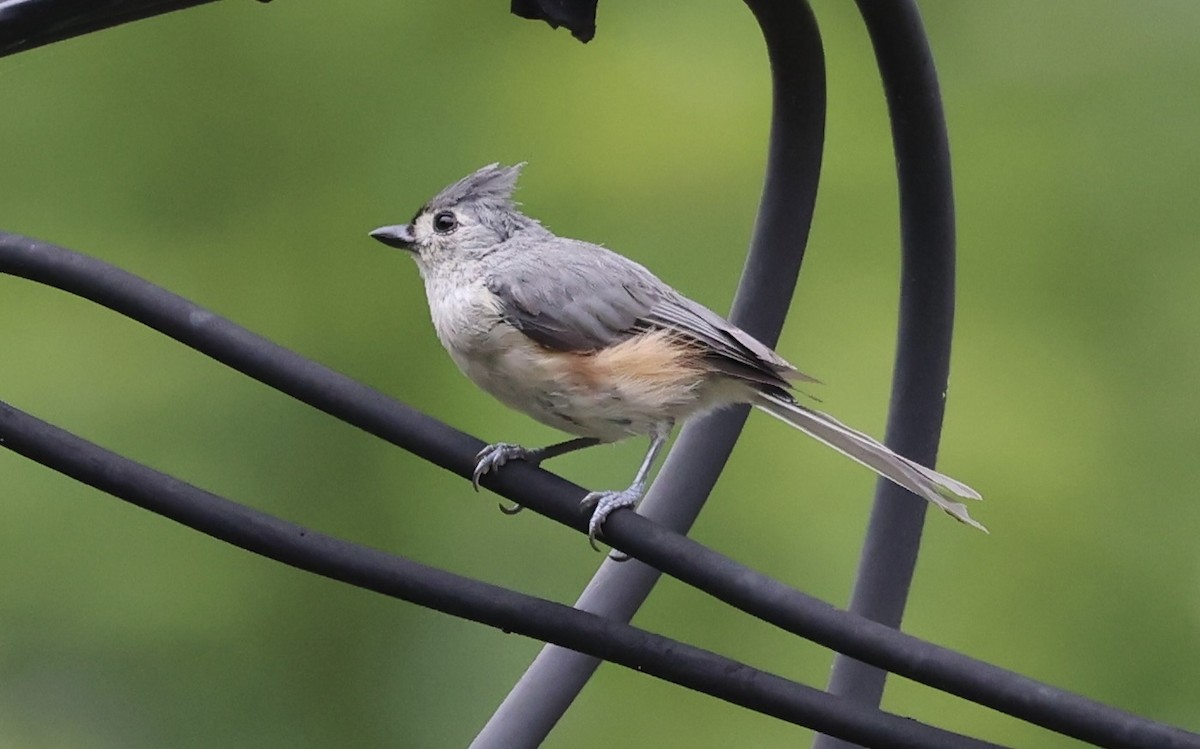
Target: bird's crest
[(490, 184)]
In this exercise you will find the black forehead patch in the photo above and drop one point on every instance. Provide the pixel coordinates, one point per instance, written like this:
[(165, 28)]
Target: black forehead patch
[(417, 215)]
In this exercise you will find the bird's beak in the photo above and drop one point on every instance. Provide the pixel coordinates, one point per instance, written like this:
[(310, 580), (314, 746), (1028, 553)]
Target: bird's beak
[(399, 236)]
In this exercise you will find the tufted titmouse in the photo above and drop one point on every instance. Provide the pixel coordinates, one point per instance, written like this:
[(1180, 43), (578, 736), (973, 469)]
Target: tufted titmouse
[(589, 342)]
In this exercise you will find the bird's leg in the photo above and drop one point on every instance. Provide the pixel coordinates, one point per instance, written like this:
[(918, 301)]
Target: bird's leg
[(607, 502), (492, 457)]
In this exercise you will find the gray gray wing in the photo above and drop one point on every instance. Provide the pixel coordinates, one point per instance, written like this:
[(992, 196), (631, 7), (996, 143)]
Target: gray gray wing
[(582, 297), (578, 297)]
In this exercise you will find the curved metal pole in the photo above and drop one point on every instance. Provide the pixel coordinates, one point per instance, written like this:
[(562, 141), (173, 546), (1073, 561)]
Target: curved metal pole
[(922, 366), (551, 683)]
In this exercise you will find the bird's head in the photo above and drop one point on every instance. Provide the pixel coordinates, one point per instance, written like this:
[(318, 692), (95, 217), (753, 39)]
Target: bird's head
[(469, 218)]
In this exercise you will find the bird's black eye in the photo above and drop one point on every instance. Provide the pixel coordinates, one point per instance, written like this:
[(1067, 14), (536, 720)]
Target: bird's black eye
[(444, 222)]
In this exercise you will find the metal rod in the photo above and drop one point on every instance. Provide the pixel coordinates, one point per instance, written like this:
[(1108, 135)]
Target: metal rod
[(922, 366)]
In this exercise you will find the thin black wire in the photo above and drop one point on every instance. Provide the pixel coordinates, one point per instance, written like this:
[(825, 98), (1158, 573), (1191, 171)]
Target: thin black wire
[(557, 499), (926, 322), (470, 599), (545, 691)]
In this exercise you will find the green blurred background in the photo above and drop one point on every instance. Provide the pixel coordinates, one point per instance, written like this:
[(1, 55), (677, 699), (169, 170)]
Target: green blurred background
[(238, 153)]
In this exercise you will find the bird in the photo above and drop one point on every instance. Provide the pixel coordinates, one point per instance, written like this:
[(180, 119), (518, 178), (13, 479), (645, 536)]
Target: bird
[(593, 344)]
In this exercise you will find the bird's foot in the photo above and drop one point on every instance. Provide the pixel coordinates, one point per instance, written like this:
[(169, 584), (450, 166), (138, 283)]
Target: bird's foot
[(605, 504), (492, 457)]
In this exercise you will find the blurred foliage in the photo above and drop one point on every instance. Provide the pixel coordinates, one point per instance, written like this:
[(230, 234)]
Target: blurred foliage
[(238, 153)]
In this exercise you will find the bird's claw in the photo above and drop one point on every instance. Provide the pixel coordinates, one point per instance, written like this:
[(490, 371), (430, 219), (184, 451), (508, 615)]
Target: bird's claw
[(604, 504), (492, 457)]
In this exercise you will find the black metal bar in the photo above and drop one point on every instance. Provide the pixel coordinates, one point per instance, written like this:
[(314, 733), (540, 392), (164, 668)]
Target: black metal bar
[(557, 499), (27, 24), (460, 596), (922, 366), (556, 676)]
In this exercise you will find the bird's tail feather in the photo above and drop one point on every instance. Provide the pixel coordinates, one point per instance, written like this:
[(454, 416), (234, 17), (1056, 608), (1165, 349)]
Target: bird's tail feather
[(939, 489)]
